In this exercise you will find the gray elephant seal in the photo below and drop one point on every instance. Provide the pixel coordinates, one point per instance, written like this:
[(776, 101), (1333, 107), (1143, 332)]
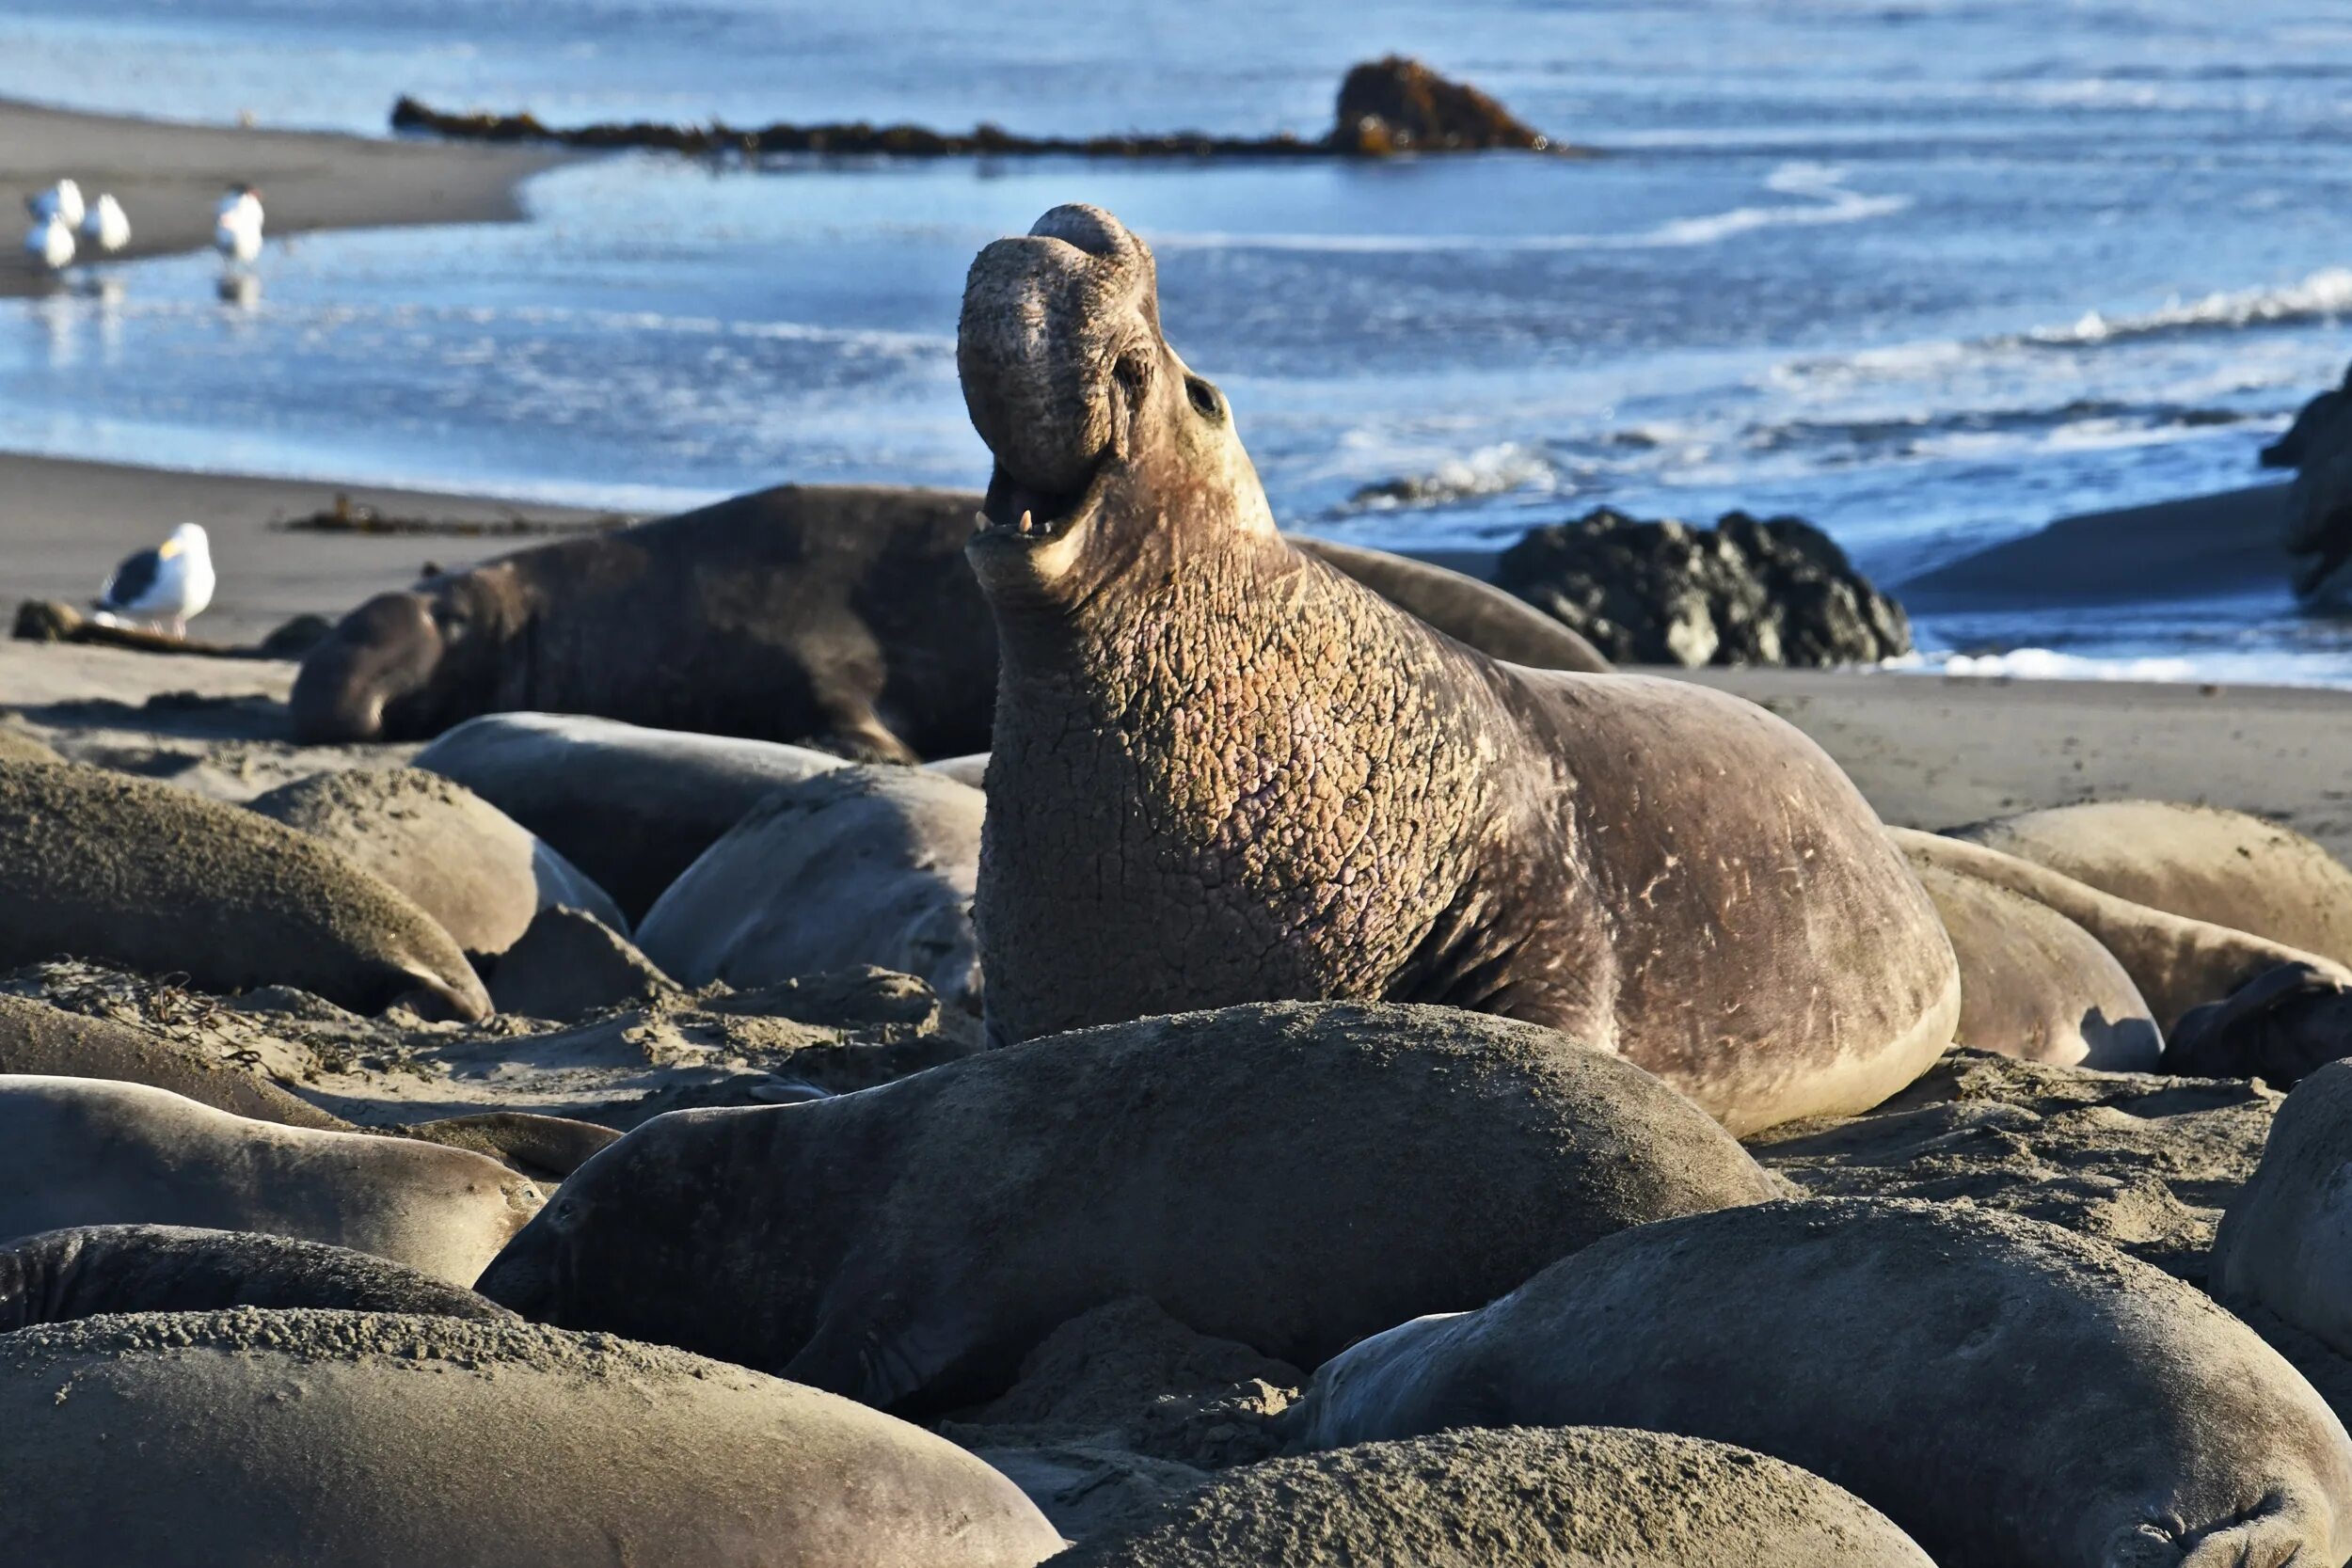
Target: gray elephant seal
[(126, 870), (2009, 1394), (78, 1151), (369, 1440), (2202, 862), (631, 807), (834, 616), (1569, 1497), (2034, 985), (918, 1238), (1218, 753), (467, 863), (2285, 1241), (39, 1040), (861, 866), (93, 1270)]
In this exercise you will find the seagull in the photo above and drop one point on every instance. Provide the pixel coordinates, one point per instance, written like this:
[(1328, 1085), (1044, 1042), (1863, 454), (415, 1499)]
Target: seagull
[(60, 200), (50, 240), (169, 584), (106, 224), (237, 223)]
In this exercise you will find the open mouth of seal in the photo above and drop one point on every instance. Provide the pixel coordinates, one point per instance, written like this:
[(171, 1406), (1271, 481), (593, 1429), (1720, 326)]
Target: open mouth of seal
[(1020, 513)]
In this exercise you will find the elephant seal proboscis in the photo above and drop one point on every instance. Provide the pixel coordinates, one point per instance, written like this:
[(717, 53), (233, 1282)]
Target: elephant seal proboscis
[(632, 807), (101, 866), (373, 1440), (861, 866), (1289, 1175), (2011, 1394), (467, 863), (1225, 772), (78, 1151), (2227, 867), (94, 1270), (2285, 1241), (836, 616), (1568, 1498)]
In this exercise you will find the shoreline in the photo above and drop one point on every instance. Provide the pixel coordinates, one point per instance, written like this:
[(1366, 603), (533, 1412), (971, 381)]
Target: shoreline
[(167, 177)]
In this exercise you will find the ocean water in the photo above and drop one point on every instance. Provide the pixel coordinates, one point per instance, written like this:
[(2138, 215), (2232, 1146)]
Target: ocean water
[(1927, 272)]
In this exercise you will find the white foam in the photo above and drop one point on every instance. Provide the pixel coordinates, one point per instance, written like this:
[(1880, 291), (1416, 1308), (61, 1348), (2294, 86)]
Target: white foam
[(2324, 294)]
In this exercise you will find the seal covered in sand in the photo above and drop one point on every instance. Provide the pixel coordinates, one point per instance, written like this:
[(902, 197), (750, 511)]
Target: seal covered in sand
[(464, 863), (1570, 1498), (93, 1270), (371, 1440), (49, 1042), (1289, 1176), (100, 866), (861, 866), (78, 1151), (1225, 772), (2009, 1394)]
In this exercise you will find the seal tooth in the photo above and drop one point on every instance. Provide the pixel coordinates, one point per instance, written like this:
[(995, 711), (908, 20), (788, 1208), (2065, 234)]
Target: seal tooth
[(1026, 524), (979, 522)]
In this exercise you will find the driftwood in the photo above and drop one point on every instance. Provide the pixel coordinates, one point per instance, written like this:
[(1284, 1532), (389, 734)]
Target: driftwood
[(55, 621)]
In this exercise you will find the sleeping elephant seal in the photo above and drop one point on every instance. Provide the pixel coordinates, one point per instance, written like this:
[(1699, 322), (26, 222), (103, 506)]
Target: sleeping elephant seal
[(94, 1270), (1289, 1176), (861, 866), (2034, 985), (44, 1041), (80, 1152), (2285, 1242), (1569, 1497), (100, 866), (1225, 772), (371, 1440), (2009, 1394), (2202, 862), (467, 863), (631, 807)]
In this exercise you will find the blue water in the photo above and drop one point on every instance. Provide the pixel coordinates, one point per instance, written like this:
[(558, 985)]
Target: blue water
[(1929, 273)]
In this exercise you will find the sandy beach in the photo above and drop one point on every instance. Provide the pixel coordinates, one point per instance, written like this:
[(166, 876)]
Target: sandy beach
[(167, 177)]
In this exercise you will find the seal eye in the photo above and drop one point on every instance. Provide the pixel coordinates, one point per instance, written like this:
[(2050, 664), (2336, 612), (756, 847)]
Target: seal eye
[(449, 622), (1206, 402)]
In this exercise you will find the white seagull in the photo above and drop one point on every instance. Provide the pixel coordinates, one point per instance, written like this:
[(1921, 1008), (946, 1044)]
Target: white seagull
[(50, 240), (106, 224), (169, 584), (237, 223), (60, 200)]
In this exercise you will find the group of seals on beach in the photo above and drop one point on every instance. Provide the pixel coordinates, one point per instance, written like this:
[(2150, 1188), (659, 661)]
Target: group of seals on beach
[(1365, 999)]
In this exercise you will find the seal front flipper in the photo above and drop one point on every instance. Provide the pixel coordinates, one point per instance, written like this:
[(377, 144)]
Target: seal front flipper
[(883, 1350)]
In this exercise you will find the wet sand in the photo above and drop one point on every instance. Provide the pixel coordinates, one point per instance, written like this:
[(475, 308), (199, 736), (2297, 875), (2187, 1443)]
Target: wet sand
[(168, 178)]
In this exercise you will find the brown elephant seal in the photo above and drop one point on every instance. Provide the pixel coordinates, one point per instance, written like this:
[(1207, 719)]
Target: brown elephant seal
[(835, 615), (2011, 1394), (467, 863), (1567, 1498), (1225, 772), (631, 807), (861, 866), (1289, 1175), (2036, 986), (78, 1151), (2227, 867), (2176, 962), (94, 1270), (39, 1040), (100, 866), (2285, 1241), (374, 1440)]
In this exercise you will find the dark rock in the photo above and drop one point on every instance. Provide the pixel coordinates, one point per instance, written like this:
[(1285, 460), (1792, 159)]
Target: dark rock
[(1400, 105), (1776, 592)]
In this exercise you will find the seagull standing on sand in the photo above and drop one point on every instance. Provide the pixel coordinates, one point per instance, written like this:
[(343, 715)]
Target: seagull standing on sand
[(60, 200), (169, 584), (49, 242), (237, 224), (106, 224)]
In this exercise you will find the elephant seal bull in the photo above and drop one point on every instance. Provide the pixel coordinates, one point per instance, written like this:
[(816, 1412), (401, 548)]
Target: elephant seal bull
[(93, 1270), (1225, 772), (376, 1440), (1288, 1176), (78, 1151), (836, 616), (101, 866), (2011, 1394)]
